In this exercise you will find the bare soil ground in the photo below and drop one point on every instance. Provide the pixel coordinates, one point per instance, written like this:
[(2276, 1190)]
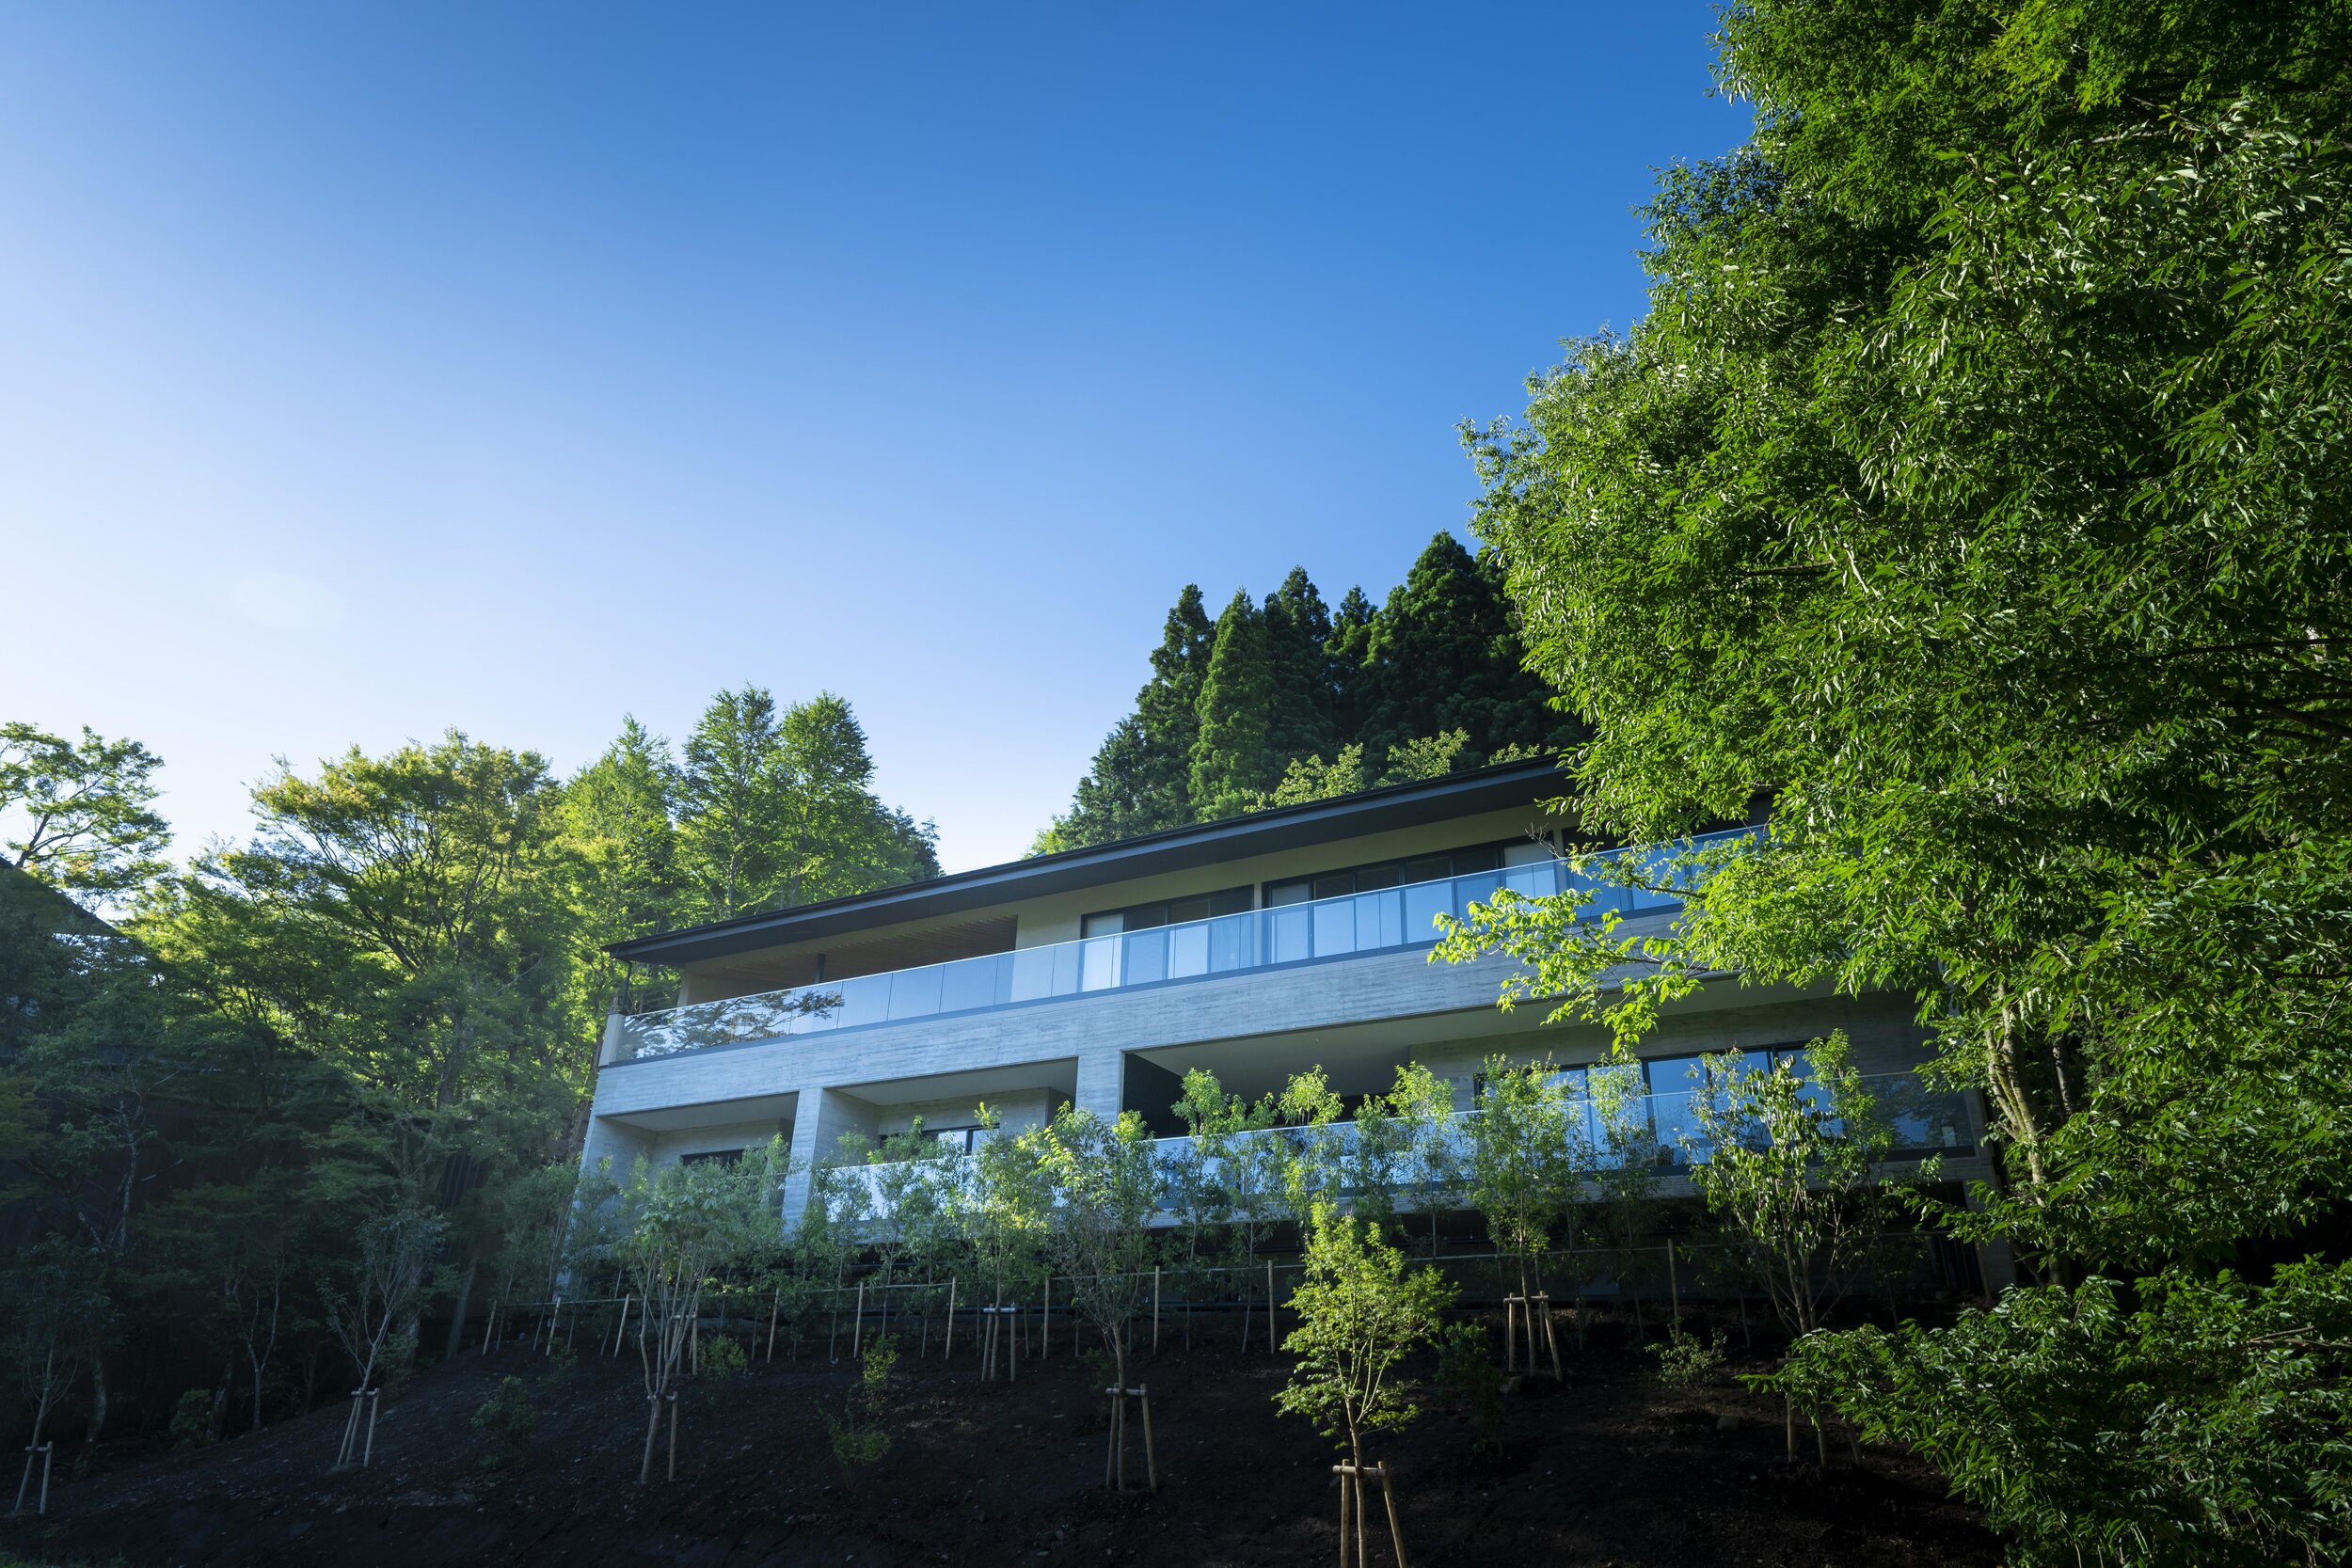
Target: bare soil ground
[(1607, 1469)]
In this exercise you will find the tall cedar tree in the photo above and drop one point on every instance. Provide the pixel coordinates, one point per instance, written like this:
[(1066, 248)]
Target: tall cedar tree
[(1298, 627), (1141, 779), (1442, 655), (1441, 658), (1233, 757)]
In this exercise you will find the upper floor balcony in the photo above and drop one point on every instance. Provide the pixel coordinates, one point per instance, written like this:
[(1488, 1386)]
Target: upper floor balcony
[(1387, 920)]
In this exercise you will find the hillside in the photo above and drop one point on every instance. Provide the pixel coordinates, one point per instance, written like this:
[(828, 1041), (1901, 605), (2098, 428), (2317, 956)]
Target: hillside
[(1609, 1469)]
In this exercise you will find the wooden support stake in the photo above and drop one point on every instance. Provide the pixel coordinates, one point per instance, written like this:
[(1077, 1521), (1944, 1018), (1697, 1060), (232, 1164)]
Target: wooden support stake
[(1155, 1323), (773, 1307), (1396, 1530), (948, 1353), (1674, 1280), (1111, 1454), (1347, 1480), (1150, 1460), (1045, 1316), (857, 1328), (1269, 1308), (1551, 1340), (488, 1323), (48, 1452), (673, 1437), (621, 1327), (368, 1455)]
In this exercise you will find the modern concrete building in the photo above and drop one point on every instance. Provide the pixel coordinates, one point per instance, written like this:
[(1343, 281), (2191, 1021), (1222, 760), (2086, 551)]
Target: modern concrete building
[(1255, 947)]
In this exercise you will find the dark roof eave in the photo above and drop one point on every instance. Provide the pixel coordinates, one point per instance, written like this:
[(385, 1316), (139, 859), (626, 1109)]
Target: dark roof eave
[(1176, 849)]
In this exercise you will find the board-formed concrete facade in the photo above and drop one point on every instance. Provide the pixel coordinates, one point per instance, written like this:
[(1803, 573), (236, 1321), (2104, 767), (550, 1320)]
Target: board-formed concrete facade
[(1072, 978)]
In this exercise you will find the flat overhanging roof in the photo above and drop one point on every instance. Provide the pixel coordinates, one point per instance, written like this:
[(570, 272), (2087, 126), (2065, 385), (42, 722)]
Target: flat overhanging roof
[(1372, 810)]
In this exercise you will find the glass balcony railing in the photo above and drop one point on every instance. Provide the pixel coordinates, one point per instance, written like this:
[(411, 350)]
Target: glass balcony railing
[(1383, 921), (1660, 1130)]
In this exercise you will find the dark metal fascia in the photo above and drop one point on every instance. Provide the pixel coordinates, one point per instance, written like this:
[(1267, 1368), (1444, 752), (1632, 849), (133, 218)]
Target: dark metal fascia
[(1355, 815)]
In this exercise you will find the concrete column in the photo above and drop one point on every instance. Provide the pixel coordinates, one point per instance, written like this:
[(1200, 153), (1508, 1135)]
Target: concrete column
[(819, 1118), (610, 1140), (610, 1051), (1099, 1080)]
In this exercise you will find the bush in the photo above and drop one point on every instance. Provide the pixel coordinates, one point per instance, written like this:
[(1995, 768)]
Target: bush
[(722, 1361), (507, 1419), (1469, 1380), (859, 1440), (1686, 1359), (192, 1420)]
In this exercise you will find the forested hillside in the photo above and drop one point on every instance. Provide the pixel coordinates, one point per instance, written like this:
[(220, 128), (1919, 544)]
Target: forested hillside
[(355, 1048), (1290, 700)]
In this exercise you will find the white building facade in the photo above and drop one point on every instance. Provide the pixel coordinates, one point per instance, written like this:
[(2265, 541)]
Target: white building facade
[(1256, 947)]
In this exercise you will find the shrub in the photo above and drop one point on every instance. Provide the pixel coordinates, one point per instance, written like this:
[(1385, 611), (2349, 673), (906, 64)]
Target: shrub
[(507, 1419), (722, 1361), (1686, 1359), (192, 1420), (859, 1438), (1469, 1380)]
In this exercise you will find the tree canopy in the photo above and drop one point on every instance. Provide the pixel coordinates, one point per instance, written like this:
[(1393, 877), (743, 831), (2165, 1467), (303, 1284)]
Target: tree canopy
[(1973, 498), (1287, 700)]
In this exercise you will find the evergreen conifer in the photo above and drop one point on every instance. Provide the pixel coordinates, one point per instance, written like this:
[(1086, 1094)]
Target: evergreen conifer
[(1233, 757)]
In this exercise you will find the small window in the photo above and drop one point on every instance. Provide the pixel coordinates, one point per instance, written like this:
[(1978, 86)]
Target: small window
[(1173, 911), (1429, 868), (1337, 884), (710, 1154), (1279, 893)]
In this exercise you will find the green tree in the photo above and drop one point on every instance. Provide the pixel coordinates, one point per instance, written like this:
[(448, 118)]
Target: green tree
[(1525, 1161), (1443, 654), (1345, 654), (1234, 1146), (1796, 1162), (1106, 1188), (1005, 1209), (1422, 1105), (1298, 626), (678, 1226), (778, 809), (1974, 495), (617, 815), (1360, 1313), (1233, 757), (1140, 782), (85, 811)]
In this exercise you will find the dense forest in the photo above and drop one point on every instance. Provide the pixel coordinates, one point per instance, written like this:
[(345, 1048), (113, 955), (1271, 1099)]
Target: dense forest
[(376, 1018), (1289, 699)]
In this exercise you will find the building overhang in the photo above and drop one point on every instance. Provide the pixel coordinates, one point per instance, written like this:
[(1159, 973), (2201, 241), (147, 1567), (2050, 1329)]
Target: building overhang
[(1347, 817)]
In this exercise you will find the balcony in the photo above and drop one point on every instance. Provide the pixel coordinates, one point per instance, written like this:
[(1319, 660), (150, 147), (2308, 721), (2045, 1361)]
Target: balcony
[(1659, 1129), (1382, 921)]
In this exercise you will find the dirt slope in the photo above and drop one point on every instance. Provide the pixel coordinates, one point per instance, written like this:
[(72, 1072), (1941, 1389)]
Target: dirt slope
[(1609, 1469)]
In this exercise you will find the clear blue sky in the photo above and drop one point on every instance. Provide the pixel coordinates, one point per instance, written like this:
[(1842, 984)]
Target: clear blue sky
[(368, 369)]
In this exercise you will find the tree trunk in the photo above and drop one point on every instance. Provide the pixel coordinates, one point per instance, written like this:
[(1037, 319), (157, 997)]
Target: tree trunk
[(96, 1397), (464, 1300)]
